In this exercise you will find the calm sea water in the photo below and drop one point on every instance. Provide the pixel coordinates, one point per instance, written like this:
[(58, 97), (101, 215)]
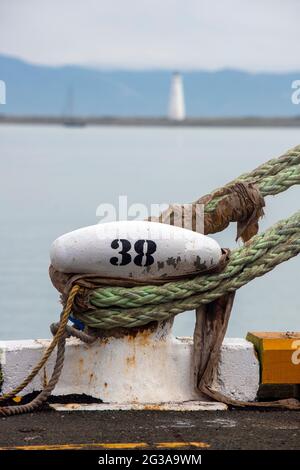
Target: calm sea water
[(54, 178)]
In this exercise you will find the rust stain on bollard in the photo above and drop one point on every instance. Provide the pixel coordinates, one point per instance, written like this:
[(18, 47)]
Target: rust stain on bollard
[(130, 360)]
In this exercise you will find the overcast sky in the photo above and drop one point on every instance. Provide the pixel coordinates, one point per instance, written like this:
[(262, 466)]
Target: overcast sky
[(254, 35)]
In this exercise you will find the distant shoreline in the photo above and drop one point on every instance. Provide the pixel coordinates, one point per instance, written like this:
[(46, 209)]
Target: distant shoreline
[(153, 121)]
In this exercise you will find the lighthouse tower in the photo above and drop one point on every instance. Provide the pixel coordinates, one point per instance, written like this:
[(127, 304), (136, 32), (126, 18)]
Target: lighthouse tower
[(176, 103)]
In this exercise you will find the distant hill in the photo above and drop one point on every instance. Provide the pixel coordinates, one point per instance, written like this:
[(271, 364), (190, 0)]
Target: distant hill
[(41, 90)]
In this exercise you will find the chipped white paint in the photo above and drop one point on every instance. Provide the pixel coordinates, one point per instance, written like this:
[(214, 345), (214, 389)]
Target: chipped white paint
[(134, 249), (221, 422), (171, 406), (149, 368)]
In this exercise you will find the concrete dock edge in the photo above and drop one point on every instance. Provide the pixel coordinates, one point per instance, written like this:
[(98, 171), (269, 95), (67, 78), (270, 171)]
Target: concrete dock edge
[(153, 368)]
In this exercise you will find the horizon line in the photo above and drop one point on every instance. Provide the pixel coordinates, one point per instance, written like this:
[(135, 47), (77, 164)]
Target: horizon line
[(131, 68)]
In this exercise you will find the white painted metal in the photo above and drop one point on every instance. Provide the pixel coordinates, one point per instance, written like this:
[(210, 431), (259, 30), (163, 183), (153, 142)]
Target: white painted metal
[(149, 368), (176, 103), (134, 249)]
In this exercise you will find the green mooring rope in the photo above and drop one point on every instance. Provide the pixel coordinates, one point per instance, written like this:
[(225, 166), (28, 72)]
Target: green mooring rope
[(137, 306), (272, 177)]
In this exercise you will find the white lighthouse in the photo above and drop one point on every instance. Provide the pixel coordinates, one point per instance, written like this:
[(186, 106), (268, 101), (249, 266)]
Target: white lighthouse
[(176, 103)]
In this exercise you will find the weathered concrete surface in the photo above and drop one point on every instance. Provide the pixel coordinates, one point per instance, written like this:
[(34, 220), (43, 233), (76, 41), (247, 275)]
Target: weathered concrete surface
[(238, 371), (149, 367), (231, 430)]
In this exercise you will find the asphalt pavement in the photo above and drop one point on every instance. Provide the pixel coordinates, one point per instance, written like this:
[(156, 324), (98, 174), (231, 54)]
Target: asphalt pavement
[(232, 429)]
